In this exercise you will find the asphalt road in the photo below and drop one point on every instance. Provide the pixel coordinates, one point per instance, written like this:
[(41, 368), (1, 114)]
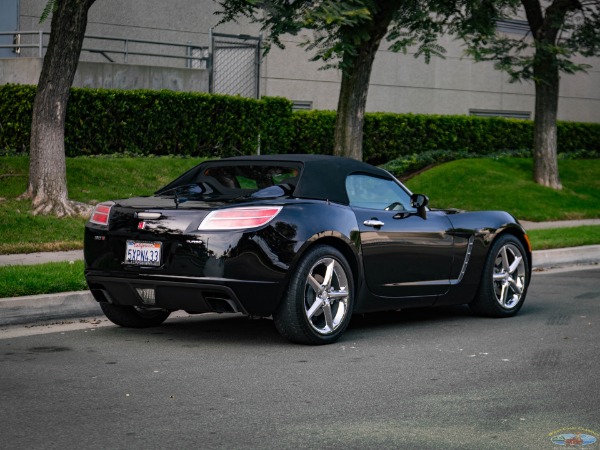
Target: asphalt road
[(421, 379)]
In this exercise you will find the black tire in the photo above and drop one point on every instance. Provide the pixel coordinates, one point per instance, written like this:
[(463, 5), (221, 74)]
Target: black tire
[(316, 310), (504, 279), (134, 317)]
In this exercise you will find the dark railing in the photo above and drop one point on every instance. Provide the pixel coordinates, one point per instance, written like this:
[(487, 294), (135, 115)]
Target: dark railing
[(121, 48)]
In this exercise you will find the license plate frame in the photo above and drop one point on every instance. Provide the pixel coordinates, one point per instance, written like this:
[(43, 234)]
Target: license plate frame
[(143, 253)]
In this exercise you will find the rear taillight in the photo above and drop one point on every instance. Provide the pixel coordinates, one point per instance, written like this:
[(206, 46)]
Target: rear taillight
[(239, 218), (101, 213)]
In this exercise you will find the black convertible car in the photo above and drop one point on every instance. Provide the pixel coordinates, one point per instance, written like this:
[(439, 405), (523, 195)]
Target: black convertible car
[(306, 239)]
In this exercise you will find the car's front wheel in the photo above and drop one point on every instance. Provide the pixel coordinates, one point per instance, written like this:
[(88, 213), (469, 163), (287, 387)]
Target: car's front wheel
[(317, 306), (133, 316), (504, 279)]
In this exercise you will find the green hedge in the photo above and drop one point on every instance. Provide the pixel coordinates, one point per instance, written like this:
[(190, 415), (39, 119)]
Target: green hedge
[(16, 104), (388, 136), (143, 122), (107, 121)]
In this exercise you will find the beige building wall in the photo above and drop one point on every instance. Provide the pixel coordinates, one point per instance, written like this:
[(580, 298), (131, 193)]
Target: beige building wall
[(399, 83)]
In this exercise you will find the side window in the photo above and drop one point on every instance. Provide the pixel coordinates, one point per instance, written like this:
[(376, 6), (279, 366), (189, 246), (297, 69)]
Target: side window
[(365, 191)]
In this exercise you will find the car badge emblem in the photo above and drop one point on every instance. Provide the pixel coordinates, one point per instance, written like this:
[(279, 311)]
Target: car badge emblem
[(142, 225)]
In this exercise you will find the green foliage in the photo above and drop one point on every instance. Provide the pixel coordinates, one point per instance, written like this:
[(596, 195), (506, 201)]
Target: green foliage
[(561, 30), (564, 237), (50, 8), (16, 281), (105, 122), (340, 28), (506, 184), (277, 126), (313, 132), (405, 166), (389, 135), (502, 183), (141, 122), (16, 107), (90, 180), (329, 17)]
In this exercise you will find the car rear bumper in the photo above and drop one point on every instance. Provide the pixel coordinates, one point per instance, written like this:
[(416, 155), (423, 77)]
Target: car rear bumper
[(191, 294)]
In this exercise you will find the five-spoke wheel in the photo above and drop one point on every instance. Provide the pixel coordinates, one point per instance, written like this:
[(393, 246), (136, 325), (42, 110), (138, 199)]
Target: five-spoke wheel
[(318, 303), (504, 279), (326, 296), (509, 276)]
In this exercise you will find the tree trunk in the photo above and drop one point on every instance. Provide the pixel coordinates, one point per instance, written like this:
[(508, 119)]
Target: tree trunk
[(351, 108), (545, 160), (47, 186), (545, 32), (352, 101)]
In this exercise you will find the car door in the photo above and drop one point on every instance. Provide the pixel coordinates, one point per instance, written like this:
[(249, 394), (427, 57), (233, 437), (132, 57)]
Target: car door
[(404, 255)]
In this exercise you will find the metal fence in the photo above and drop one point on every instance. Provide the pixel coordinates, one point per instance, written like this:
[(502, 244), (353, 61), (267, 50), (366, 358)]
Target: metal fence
[(233, 61), (114, 49), (235, 64)]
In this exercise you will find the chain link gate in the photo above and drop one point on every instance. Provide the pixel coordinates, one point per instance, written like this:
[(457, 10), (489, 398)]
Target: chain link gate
[(235, 64)]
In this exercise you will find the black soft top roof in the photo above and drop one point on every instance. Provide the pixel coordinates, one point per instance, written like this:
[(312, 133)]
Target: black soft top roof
[(322, 177)]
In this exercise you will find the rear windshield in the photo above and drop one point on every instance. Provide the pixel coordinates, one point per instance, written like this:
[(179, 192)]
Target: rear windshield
[(250, 177), (233, 180)]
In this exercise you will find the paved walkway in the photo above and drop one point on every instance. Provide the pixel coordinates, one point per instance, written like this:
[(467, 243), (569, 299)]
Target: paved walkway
[(559, 224), (40, 258)]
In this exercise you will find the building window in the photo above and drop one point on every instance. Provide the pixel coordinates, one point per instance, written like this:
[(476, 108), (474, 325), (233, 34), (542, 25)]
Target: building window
[(300, 105), (513, 26), (525, 115)]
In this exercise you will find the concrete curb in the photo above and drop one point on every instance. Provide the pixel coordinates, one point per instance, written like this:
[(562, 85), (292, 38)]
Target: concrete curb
[(40, 258), (37, 308), (561, 257)]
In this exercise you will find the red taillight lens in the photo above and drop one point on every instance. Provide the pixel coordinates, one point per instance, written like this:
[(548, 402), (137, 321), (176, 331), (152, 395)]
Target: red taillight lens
[(239, 218), (101, 213)]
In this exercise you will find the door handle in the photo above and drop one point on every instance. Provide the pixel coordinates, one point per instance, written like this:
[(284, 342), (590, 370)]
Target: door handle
[(373, 223)]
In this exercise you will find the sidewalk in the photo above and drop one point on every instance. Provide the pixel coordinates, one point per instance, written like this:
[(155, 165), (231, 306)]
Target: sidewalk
[(40, 258), (67, 305), (558, 224)]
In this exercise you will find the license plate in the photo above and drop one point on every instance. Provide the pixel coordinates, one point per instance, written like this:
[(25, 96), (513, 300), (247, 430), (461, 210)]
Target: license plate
[(142, 253)]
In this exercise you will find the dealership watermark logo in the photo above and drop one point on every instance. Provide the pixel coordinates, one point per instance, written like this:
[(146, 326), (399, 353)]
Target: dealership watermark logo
[(574, 438)]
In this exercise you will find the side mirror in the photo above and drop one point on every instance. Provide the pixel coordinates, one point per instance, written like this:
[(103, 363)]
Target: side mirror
[(420, 202)]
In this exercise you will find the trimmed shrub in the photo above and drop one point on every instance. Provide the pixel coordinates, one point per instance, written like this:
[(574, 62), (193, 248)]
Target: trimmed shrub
[(143, 122), (313, 132), (16, 106)]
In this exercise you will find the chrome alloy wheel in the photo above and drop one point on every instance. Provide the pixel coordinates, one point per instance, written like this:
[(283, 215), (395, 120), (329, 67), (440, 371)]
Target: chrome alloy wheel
[(509, 276), (326, 296)]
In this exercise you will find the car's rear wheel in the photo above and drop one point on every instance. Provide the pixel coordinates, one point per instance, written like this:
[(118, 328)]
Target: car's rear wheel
[(133, 316), (317, 306), (504, 279)]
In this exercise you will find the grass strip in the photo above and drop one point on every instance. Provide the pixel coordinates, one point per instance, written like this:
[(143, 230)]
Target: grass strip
[(471, 184), (564, 237), (90, 180), (49, 278), (507, 184)]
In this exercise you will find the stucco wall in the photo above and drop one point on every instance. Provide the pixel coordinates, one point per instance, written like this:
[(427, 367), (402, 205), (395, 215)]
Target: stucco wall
[(108, 75), (399, 83)]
